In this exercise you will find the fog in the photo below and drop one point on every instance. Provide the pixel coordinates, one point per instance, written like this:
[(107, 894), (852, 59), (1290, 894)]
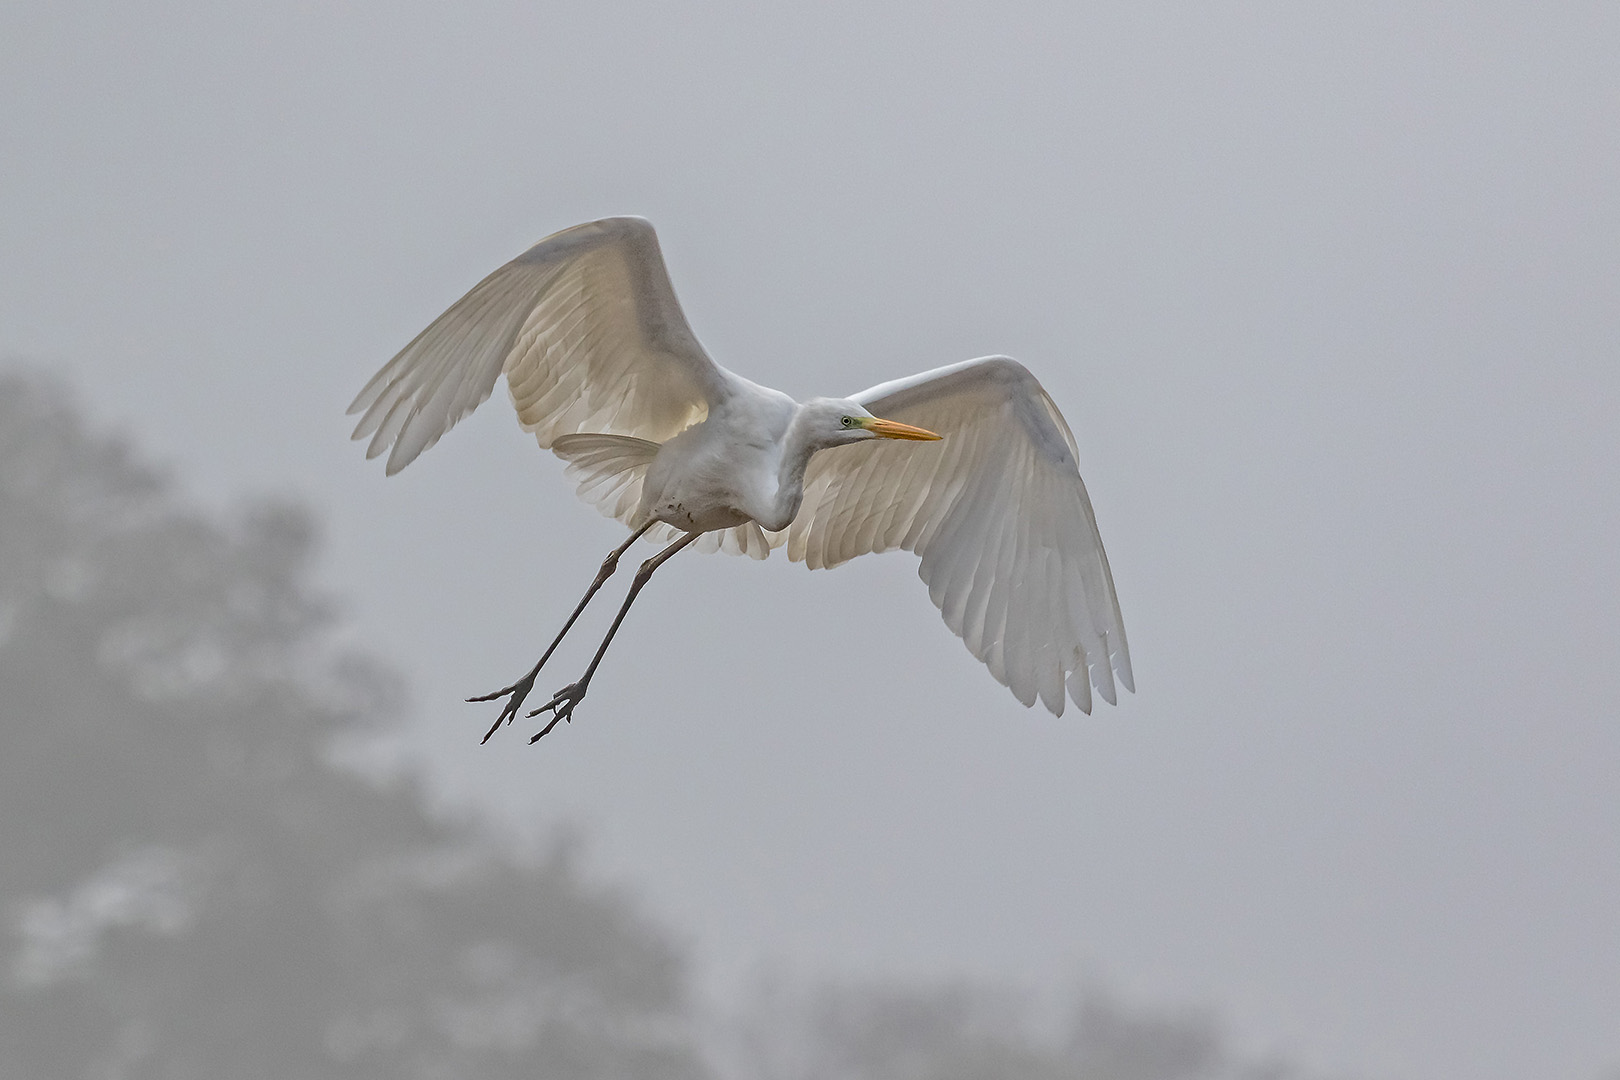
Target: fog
[(1326, 295), (206, 873)]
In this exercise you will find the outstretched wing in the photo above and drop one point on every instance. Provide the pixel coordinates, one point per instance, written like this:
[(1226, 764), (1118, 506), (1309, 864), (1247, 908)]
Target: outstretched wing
[(999, 515), (587, 330)]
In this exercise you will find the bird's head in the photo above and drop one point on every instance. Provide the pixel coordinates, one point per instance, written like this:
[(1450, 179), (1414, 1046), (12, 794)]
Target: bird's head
[(837, 421)]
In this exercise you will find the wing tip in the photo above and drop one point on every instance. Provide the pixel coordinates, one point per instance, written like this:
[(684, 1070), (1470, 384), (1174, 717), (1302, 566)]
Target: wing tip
[(1119, 654), (1079, 684), (403, 454)]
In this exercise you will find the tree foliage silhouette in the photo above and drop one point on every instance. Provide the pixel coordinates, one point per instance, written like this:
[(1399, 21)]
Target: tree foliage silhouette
[(191, 887), (973, 1032)]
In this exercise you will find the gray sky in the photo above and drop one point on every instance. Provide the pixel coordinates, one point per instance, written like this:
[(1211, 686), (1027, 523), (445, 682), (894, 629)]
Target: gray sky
[(1327, 295)]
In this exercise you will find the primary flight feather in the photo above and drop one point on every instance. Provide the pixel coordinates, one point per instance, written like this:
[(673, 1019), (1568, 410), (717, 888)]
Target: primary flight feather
[(971, 466)]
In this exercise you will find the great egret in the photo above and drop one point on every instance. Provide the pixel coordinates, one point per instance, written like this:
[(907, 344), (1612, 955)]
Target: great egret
[(604, 370)]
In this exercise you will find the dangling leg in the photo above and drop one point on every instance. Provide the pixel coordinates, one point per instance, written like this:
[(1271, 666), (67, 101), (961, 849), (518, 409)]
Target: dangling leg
[(562, 705), (520, 689)]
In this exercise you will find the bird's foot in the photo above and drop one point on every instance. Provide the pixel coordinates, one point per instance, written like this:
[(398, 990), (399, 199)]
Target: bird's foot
[(561, 707), (518, 691)]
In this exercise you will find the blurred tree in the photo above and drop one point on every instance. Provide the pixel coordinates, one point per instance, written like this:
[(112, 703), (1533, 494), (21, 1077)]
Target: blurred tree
[(190, 887), (878, 1032)]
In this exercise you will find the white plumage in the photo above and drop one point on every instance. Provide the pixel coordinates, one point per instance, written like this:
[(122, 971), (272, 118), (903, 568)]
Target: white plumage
[(1010, 549), (604, 370)]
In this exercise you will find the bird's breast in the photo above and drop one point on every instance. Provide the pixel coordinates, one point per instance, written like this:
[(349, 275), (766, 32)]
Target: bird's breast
[(722, 473), (697, 516), (696, 486)]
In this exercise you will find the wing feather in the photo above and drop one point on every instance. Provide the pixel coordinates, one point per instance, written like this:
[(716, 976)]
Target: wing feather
[(585, 326), (999, 516), (997, 562), (1022, 616)]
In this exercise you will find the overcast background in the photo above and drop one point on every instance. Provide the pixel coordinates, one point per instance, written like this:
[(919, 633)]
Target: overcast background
[(1327, 293)]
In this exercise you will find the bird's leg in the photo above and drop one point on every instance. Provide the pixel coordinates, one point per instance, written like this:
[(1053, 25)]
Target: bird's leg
[(520, 689), (561, 706)]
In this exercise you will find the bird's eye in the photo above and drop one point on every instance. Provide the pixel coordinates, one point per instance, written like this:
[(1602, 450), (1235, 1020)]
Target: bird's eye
[(848, 421)]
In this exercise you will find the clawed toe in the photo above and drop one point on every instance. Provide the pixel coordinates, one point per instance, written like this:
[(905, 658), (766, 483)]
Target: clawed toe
[(561, 707), (514, 695)]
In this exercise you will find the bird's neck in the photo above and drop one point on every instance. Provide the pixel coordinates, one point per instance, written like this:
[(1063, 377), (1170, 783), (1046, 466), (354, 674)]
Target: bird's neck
[(797, 447)]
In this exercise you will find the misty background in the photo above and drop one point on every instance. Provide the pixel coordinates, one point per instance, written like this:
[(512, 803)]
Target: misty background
[(1327, 295)]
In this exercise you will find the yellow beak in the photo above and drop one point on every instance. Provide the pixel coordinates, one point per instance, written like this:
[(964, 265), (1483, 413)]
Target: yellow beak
[(894, 429)]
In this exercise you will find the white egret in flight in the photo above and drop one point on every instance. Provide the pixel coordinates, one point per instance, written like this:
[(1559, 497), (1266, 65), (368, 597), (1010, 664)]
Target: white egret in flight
[(970, 466)]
